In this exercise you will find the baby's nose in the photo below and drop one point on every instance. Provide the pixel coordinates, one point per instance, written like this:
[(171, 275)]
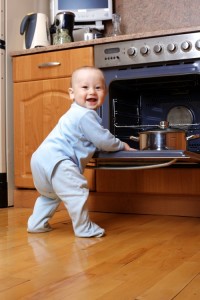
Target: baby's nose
[(92, 90)]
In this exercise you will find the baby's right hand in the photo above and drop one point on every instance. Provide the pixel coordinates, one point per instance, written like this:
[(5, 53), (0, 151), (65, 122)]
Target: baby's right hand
[(128, 148)]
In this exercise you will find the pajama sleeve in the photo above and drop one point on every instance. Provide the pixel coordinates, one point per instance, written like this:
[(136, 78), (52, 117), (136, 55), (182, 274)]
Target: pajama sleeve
[(101, 137)]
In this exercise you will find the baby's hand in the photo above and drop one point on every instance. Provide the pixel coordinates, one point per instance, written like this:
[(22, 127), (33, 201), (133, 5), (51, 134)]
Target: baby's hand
[(128, 148)]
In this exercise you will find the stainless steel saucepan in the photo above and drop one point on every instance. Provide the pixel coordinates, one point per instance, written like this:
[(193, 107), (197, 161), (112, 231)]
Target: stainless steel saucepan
[(163, 138)]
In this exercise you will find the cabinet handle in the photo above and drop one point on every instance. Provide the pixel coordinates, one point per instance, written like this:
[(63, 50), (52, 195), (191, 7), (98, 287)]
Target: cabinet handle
[(49, 64)]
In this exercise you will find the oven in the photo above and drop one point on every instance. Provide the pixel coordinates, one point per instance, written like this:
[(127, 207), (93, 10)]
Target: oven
[(149, 81)]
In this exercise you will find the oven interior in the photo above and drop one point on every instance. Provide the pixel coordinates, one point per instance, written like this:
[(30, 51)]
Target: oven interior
[(139, 104)]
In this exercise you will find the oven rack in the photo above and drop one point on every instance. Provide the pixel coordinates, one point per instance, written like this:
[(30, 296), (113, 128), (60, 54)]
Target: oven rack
[(156, 125)]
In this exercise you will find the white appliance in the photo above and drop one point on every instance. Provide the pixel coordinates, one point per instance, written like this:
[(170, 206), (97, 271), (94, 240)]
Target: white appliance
[(35, 28), (87, 13)]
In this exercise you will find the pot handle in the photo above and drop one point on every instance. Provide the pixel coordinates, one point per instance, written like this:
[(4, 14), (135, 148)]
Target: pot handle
[(192, 155), (134, 138), (192, 137), (166, 164)]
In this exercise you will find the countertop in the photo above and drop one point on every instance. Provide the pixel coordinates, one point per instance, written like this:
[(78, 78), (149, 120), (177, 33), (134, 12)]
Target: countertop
[(104, 40)]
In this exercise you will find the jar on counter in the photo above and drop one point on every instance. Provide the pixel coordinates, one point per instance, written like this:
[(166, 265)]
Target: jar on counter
[(61, 36)]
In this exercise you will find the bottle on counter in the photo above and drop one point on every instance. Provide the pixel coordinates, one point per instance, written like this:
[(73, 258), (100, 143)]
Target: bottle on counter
[(61, 36), (116, 22)]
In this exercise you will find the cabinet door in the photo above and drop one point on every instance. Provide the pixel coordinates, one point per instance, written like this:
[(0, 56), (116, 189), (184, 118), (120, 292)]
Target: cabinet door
[(37, 107)]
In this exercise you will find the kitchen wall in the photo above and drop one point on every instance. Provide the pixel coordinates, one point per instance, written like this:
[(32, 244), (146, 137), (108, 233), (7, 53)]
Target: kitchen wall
[(153, 15), (15, 11)]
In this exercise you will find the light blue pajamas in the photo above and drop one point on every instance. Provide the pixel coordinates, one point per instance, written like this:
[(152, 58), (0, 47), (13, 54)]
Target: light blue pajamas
[(57, 167)]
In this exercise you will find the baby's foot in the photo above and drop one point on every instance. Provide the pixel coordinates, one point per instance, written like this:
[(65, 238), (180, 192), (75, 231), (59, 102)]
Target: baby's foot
[(89, 230), (46, 228)]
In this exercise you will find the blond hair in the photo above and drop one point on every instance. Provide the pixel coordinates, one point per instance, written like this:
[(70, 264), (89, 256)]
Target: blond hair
[(73, 77)]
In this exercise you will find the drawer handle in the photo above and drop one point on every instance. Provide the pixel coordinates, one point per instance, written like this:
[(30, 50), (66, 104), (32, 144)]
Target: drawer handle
[(49, 64)]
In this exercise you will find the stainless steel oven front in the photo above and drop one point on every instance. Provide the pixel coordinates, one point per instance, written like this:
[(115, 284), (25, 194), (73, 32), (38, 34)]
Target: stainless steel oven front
[(151, 80)]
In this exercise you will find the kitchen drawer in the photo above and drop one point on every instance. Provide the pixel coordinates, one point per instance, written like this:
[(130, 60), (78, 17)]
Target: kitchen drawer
[(55, 64)]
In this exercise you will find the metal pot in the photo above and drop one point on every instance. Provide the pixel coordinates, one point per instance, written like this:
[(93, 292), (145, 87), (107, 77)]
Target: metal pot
[(164, 138)]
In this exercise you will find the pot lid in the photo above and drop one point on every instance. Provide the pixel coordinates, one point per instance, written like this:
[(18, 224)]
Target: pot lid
[(163, 128)]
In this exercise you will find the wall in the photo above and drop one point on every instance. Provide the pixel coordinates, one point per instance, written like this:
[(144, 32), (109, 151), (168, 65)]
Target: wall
[(15, 11), (152, 15)]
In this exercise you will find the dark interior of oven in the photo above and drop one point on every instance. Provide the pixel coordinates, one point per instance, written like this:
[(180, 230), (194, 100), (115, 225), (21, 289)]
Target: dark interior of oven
[(140, 104)]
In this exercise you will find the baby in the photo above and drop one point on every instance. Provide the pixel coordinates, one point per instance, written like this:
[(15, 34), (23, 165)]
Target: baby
[(59, 162)]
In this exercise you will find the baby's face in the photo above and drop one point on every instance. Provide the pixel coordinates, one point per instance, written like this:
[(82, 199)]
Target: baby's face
[(88, 88)]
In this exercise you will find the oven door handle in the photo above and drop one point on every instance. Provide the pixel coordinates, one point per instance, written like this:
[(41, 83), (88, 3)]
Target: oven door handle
[(104, 167)]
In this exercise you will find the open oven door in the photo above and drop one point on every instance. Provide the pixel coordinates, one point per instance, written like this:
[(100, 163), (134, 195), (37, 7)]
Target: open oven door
[(137, 160)]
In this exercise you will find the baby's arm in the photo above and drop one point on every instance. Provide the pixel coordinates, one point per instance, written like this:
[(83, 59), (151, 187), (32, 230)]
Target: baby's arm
[(101, 137)]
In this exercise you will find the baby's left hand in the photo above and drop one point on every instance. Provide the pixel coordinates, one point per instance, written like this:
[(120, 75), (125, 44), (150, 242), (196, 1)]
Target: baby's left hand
[(128, 148)]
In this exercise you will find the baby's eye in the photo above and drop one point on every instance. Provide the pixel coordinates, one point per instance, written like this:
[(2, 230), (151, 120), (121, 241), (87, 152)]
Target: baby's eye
[(98, 88), (85, 87)]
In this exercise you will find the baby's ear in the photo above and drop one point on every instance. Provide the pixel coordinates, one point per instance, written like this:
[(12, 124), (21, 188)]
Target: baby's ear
[(71, 93)]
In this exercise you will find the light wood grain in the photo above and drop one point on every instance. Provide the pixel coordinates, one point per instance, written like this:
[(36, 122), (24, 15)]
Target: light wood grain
[(26, 68), (174, 181), (143, 257), (37, 107), (40, 99), (173, 205)]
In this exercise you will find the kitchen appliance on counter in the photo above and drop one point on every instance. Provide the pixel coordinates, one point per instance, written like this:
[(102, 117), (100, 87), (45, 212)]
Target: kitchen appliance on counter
[(64, 23), (152, 80), (87, 13), (35, 26)]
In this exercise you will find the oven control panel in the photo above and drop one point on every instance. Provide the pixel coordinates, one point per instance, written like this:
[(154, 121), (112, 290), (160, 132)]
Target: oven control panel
[(149, 50)]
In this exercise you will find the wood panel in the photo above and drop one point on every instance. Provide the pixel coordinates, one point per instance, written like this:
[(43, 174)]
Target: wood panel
[(39, 102), (174, 205), (37, 107), (26, 68), (168, 181)]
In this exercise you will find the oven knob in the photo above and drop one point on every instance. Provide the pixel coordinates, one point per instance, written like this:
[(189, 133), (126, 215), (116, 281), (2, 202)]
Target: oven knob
[(144, 50), (197, 45), (131, 51), (171, 47), (157, 48), (185, 46)]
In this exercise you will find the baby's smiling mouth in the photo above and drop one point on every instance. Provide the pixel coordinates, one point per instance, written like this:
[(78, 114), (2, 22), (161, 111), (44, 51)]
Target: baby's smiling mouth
[(92, 100)]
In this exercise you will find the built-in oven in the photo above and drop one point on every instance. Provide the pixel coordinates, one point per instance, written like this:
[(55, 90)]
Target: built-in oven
[(150, 81)]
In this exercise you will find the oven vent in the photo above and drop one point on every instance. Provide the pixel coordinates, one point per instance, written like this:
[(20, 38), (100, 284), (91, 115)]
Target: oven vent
[(163, 64)]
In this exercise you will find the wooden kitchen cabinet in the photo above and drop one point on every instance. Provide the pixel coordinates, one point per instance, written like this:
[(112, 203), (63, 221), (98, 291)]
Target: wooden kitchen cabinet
[(40, 99), (158, 181)]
